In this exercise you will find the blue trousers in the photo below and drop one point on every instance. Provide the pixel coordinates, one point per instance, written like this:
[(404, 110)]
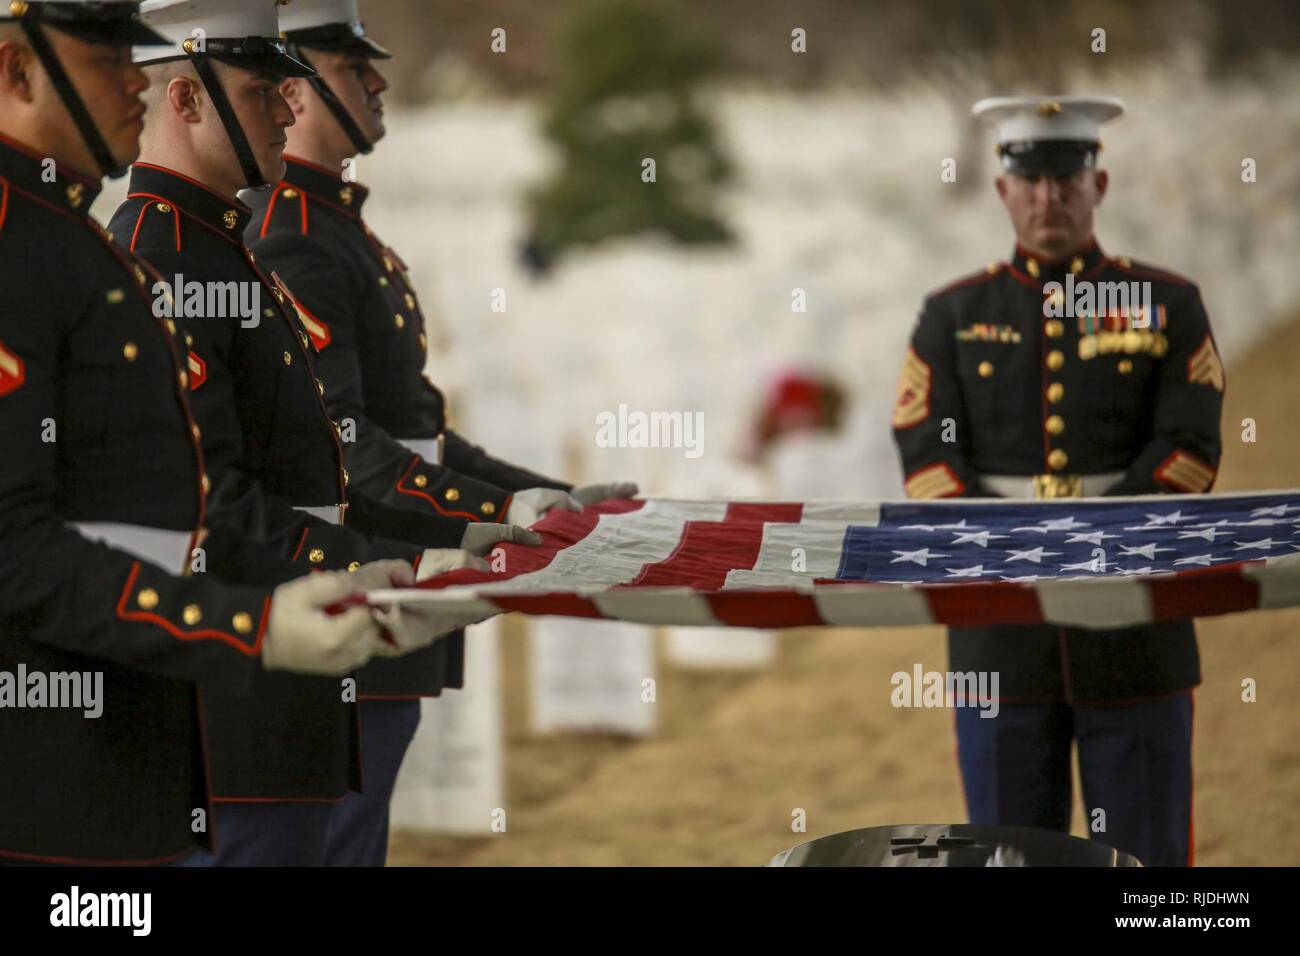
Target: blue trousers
[(1135, 764), (358, 831), (267, 834)]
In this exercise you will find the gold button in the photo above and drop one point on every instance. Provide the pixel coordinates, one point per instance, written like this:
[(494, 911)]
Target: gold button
[(194, 430), (288, 359), (383, 282), (421, 481), (302, 337), (1031, 266), (163, 207), (189, 339), (346, 195), (1054, 328), (291, 194), (345, 478), (354, 566), (147, 599), (320, 386), (316, 556), (1055, 424), (192, 614), (230, 219), (488, 508), (410, 301), (1125, 366), (1076, 265), (206, 484), (452, 494), (243, 622), (188, 46), (1055, 392), (424, 341), (1124, 261), (116, 296), (171, 326), (76, 192), (986, 369), (1057, 460), (388, 264), (1055, 359), (130, 351), (279, 296), (184, 379), (251, 258), (399, 321), (992, 267), (139, 275)]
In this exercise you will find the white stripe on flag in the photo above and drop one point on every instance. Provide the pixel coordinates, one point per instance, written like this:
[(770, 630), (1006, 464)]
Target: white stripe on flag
[(616, 549), (1279, 581), (1093, 602), (853, 606), (656, 606), (843, 512), (814, 547)]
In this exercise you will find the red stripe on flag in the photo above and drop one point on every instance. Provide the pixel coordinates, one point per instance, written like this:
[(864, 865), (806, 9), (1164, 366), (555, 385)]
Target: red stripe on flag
[(769, 609), (569, 605), (559, 530), (1203, 592), (709, 549), (983, 605)]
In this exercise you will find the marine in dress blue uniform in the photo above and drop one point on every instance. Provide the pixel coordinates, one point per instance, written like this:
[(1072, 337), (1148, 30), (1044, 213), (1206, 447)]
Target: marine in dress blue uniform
[(102, 501), (362, 311), (283, 752), (1003, 394)]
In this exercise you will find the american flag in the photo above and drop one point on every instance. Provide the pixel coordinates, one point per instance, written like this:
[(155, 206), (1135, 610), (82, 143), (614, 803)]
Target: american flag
[(1100, 562)]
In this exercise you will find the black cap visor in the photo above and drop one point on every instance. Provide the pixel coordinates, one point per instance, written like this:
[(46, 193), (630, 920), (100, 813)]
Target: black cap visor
[(340, 38), (109, 24), (1048, 157)]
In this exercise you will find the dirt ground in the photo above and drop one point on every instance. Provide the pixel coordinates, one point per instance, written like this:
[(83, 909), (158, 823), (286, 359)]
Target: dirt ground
[(736, 755)]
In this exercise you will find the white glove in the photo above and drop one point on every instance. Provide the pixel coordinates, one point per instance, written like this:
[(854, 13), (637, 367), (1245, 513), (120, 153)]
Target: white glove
[(592, 494), (301, 637), (410, 627), (436, 561), (531, 505), (481, 537)]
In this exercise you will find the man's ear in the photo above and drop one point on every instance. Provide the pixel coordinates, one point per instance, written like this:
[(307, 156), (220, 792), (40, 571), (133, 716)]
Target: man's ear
[(291, 89), (1000, 183), (1101, 180), (15, 70), (184, 98)]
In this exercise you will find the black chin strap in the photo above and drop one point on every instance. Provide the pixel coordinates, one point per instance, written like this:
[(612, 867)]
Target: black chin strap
[(238, 139), (341, 114), (108, 166)]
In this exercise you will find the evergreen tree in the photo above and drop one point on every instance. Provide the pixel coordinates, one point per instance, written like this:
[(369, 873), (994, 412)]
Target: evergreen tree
[(625, 92)]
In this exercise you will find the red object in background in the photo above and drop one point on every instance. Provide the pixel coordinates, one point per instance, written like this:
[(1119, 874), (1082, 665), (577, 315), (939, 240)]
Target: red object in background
[(797, 401)]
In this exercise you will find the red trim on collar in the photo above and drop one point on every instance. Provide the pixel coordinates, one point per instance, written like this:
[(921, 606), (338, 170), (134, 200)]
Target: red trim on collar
[(60, 169), (204, 186)]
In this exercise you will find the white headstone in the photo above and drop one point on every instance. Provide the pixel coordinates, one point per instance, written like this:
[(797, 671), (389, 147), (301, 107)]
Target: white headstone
[(720, 648), (452, 780), (592, 675)]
